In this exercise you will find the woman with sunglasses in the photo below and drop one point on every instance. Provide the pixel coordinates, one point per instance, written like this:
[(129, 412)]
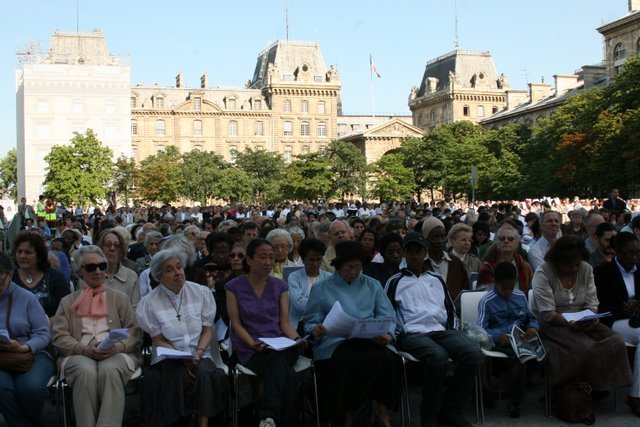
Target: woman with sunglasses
[(84, 319), (505, 248), (33, 272)]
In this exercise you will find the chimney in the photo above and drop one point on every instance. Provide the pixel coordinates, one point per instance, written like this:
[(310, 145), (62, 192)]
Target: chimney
[(565, 82), (515, 98), (593, 74), (634, 5), (204, 81), (180, 80), (537, 91)]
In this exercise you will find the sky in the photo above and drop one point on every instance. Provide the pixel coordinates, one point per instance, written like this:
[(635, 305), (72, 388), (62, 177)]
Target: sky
[(528, 40)]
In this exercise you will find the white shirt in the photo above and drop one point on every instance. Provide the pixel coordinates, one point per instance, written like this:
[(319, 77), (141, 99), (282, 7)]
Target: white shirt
[(177, 317), (537, 252), (629, 279), (442, 267), (420, 300)]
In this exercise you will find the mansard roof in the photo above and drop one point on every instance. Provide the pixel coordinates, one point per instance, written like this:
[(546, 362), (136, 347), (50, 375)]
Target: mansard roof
[(289, 56), (469, 68), (80, 48)]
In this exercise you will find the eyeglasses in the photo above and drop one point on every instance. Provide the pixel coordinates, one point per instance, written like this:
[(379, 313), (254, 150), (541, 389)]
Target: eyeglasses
[(90, 268), (509, 238), (238, 255), (352, 267)]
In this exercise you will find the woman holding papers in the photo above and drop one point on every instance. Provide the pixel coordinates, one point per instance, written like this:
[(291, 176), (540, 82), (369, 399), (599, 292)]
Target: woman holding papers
[(353, 371), (85, 318), (579, 351), (26, 334), (258, 307), (178, 315)]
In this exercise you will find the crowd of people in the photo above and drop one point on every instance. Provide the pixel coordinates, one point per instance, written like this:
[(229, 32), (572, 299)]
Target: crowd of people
[(187, 279)]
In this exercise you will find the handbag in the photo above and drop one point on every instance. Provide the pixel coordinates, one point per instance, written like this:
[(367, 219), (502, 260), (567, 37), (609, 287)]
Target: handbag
[(573, 403), (17, 363)]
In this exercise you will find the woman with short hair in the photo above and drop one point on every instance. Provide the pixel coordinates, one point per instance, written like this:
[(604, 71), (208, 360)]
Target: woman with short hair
[(118, 276), (178, 315), (282, 244)]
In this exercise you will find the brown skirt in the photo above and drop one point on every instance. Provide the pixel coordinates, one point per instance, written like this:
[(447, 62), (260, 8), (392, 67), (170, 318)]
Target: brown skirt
[(598, 357)]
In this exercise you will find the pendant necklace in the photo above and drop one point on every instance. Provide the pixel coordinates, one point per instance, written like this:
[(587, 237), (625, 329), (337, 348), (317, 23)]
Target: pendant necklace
[(178, 315), (29, 278)]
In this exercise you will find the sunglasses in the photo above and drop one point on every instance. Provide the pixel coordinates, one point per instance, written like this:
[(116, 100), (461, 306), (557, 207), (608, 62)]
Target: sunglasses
[(238, 255), (509, 238), (90, 268)]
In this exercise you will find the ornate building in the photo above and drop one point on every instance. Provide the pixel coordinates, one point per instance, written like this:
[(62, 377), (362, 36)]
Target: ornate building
[(290, 106), (461, 85), (621, 38), (76, 85)]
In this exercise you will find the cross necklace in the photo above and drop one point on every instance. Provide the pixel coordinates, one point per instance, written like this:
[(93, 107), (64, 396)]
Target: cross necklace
[(178, 315)]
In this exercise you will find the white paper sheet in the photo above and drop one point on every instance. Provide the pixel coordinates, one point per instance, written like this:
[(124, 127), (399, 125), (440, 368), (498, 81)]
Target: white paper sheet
[(170, 353), (338, 323), (584, 315), (278, 343), (221, 330), (114, 336)]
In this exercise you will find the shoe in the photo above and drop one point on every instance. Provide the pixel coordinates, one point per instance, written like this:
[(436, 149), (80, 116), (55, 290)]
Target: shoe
[(267, 422), (634, 404), (513, 409), (453, 420)]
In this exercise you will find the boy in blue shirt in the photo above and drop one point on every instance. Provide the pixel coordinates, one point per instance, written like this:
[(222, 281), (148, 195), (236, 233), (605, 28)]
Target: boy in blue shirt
[(501, 308)]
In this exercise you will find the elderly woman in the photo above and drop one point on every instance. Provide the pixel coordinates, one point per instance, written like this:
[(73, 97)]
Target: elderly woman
[(460, 237), (297, 234), (178, 315), (301, 281), (258, 306), (33, 273), (506, 249), (352, 371), (152, 246), (618, 285), (282, 246), (118, 276), (584, 351), (84, 319), (22, 394)]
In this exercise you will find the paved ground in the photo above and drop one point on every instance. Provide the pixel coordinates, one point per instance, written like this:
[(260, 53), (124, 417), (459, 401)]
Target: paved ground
[(533, 413)]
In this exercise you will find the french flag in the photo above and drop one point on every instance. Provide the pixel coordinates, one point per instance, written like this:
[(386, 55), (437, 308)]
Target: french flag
[(373, 66)]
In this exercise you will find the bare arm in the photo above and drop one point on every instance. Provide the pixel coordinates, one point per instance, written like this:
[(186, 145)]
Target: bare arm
[(285, 323)]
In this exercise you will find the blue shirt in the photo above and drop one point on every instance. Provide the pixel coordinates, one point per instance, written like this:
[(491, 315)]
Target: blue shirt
[(497, 314), (299, 287), (28, 322), (362, 298)]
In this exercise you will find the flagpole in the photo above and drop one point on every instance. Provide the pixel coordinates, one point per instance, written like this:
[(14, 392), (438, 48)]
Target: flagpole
[(373, 95)]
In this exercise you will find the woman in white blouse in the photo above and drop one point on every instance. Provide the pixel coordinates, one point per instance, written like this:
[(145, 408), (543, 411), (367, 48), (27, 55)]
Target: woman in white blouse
[(179, 315)]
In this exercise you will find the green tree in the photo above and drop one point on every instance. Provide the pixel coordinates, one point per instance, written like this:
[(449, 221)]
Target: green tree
[(159, 177), (123, 177), (392, 180), (266, 170), (425, 157), (80, 171), (308, 177), (9, 175), (349, 168), (235, 185), (202, 172)]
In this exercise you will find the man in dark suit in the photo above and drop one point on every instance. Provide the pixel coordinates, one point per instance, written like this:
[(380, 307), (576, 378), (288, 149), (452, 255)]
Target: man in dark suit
[(615, 203), (618, 285)]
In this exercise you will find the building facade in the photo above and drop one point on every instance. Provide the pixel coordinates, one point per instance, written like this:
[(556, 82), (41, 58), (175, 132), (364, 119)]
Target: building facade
[(76, 85), (621, 39), (460, 85), (290, 106)]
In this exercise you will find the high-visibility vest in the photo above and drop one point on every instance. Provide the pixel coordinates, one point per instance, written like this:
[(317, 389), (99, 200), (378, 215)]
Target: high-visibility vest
[(40, 212)]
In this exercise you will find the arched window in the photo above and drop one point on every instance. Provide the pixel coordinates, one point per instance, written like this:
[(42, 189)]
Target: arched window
[(480, 110), (619, 57), (233, 128), (304, 106), (322, 129), (159, 127), (304, 129), (287, 128), (257, 128)]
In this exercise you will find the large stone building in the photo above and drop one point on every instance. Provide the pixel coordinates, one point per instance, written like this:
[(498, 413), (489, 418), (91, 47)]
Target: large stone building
[(621, 38), (76, 85), (290, 106), (460, 85)]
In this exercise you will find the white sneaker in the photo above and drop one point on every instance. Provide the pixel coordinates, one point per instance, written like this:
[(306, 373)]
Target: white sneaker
[(267, 422)]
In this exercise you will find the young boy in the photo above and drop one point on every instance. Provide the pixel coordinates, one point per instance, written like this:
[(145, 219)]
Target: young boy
[(498, 311)]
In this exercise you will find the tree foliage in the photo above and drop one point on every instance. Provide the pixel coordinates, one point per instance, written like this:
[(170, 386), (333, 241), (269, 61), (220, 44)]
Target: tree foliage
[(202, 173), (235, 185), (349, 169), (266, 171), (80, 171), (123, 178), (308, 177), (159, 178), (9, 175), (391, 179)]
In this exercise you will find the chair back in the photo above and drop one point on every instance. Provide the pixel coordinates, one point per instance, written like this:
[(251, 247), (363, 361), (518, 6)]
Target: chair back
[(530, 299), (469, 306), (217, 357)]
